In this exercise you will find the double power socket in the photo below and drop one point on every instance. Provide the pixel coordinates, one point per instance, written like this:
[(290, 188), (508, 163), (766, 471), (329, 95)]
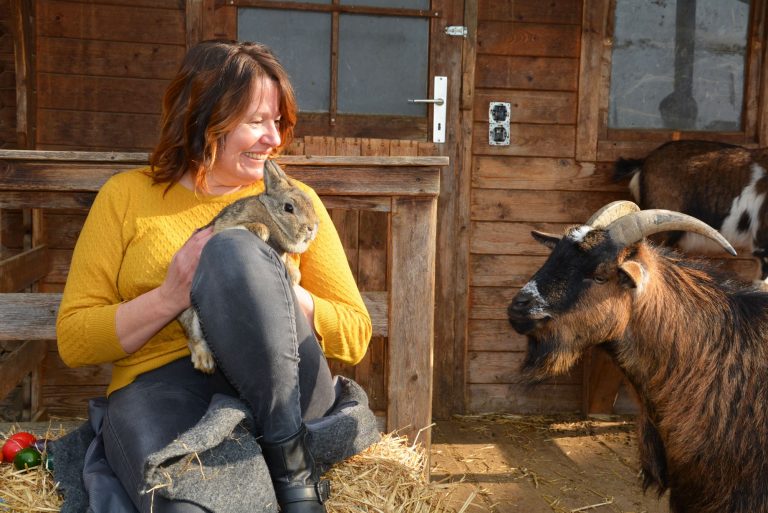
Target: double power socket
[(498, 123)]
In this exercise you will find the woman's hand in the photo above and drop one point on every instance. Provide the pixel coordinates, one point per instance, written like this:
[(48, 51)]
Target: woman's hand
[(177, 285), (141, 318)]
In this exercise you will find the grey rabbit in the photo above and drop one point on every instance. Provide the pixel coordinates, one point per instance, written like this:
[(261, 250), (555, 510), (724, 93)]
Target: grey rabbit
[(282, 216)]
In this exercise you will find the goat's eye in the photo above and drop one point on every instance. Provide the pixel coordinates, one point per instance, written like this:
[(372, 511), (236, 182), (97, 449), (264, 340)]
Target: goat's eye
[(288, 207), (599, 279)]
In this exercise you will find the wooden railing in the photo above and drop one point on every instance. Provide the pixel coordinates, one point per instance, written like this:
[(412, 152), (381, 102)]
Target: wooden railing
[(405, 188)]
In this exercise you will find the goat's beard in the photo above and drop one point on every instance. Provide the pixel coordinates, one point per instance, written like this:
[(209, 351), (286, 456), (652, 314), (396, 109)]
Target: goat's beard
[(547, 357)]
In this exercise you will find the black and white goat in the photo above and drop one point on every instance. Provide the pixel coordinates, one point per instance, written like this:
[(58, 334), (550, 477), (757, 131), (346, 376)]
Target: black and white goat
[(721, 184), (693, 344)]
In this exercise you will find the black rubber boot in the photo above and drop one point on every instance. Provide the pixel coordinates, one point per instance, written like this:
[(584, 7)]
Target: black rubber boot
[(292, 467)]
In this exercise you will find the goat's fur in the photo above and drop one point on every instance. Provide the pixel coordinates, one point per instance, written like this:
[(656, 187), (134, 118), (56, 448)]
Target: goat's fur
[(722, 184), (691, 342)]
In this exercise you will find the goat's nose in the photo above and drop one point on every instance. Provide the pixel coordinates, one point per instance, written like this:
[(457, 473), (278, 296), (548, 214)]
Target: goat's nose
[(522, 301)]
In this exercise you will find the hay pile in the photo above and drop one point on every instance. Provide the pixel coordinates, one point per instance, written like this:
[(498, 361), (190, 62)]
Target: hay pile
[(388, 477)]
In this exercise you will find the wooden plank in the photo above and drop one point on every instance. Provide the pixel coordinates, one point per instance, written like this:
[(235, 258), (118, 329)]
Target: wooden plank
[(54, 200), (527, 39), (525, 399), (553, 207), (495, 335), (70, 401), (371, 203), (100, 94), (543, 174), (21, 271), (528, 140), (108, 58), (60, 19), (503, 270), (57, 372), (452, 279), (337, 181), (533, 11), (98, 129), (610, 151), (15, 366), (550, 107), (411, 326), (590, 66), (24, 72), (28, 316), (503, 367), (490, 302), (193, 22), (532, 73), (510, 238), (157, 4)]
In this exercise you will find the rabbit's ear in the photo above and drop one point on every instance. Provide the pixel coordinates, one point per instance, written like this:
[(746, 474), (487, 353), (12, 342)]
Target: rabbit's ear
[(274, 176)]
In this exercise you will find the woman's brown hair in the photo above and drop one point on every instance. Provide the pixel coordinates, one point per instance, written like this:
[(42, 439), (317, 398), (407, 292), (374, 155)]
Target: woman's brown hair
[(210, 92)]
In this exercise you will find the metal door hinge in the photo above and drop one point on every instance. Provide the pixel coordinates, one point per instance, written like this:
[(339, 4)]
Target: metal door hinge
[(456, 30)]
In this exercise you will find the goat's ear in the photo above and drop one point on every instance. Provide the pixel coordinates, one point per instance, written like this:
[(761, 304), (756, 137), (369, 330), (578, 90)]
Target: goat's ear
[(632, 274), (548, 239)]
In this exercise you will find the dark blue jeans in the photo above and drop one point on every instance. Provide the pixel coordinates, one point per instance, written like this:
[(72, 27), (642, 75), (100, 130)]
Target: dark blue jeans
[(266, 354)]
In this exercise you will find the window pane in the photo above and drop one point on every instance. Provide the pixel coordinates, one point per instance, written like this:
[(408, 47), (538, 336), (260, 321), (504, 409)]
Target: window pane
[(395, 4), (303, 49), (679, 64), (382, 63)]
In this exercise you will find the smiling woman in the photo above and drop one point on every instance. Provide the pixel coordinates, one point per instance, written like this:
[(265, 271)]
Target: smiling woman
[(141, 260)]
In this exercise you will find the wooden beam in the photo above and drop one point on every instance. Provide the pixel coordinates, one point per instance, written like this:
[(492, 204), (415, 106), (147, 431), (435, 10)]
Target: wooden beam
[(462, 221), (23, 43), (336, 7), (411, 323), (193, 20), (29, 316), (20, 271), (595, 14)]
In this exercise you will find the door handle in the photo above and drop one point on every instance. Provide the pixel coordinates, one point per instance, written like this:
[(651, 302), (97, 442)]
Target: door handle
[(436, 101), (438, 115)]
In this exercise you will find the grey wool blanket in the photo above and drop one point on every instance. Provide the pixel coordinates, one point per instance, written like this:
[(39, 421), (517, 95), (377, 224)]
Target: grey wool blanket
[(218, 463)]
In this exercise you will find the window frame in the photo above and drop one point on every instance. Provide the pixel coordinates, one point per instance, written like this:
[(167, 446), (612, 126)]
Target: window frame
[(596, 142), (333, 123)]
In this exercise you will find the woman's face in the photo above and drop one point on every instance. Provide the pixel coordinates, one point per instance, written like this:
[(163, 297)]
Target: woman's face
[(241, 158)]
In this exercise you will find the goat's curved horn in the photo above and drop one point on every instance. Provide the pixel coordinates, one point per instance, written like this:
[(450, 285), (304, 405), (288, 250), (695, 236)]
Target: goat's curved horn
[(636, 226), (610, 212)]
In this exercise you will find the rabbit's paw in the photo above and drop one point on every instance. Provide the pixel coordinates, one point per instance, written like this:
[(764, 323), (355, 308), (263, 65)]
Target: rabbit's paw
[(202, 357)]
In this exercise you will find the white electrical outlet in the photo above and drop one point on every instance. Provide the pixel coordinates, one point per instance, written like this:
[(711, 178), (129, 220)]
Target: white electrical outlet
[(498, 123)]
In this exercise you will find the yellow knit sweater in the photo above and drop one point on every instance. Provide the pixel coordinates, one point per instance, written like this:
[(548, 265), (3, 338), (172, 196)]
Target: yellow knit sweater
[(132, 232)]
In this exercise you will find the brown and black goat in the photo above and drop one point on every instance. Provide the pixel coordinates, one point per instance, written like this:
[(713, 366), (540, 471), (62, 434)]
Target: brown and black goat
[(693, 344), (721, 184)]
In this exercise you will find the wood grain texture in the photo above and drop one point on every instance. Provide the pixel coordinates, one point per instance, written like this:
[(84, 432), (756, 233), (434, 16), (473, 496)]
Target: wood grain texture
[(411, 327)]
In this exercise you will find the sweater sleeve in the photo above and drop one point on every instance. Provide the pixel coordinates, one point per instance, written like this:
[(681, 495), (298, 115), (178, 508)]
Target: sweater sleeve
[(341, 318), (85, 326)]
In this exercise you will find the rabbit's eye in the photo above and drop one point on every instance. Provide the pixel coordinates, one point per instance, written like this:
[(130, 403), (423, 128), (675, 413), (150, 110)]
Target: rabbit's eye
[(288, 207)]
